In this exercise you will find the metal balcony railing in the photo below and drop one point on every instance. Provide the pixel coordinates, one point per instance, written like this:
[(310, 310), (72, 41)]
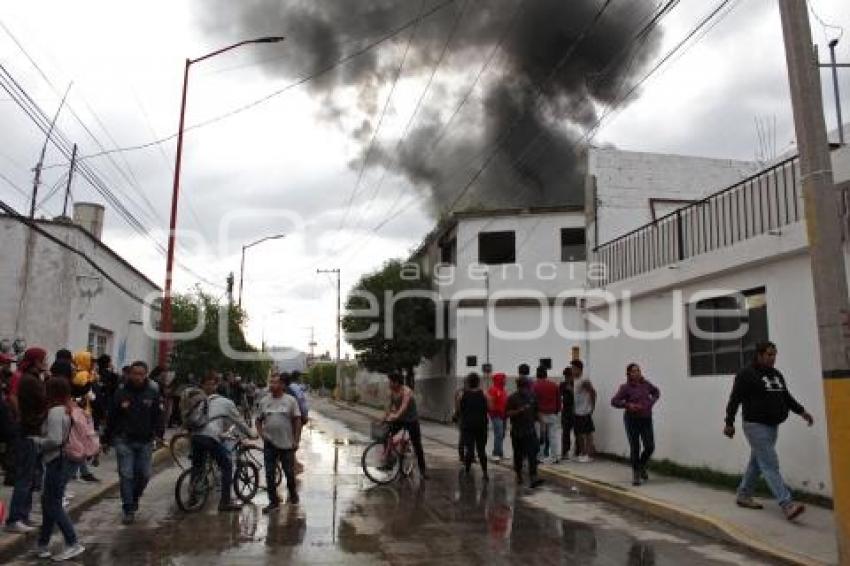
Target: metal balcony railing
[(760, 204)]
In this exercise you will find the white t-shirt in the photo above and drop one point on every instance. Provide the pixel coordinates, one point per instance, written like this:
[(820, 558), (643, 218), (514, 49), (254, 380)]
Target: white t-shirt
[(276, 414), (584, 402)]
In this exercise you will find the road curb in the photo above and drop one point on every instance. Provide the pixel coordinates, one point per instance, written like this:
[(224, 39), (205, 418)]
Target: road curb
[(20, 543), (695, 521)]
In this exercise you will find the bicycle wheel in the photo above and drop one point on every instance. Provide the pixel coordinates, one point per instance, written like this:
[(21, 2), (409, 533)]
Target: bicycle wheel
[(380, 467), (191, 496), (180, 447), (254, 455), (246, 481)]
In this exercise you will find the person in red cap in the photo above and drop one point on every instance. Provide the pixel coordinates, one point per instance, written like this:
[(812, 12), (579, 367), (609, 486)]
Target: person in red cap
[(498, 396), (28, 401)]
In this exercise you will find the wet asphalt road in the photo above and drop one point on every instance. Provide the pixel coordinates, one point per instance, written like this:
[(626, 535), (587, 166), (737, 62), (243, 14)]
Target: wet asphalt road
[(343, 519)]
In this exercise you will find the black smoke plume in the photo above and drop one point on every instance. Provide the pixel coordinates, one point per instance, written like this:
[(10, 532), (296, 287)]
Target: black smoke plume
[(554, 64)]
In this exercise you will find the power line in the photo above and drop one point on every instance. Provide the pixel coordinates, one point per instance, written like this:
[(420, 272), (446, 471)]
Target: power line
[(377, 130), (298, 82)]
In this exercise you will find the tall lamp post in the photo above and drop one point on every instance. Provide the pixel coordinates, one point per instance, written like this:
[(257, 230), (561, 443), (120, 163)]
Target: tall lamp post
[(242, 265), (167, 325)]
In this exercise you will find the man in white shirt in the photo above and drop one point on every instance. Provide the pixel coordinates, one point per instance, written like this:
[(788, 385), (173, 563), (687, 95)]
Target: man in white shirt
[(222, 413), (279, 424)]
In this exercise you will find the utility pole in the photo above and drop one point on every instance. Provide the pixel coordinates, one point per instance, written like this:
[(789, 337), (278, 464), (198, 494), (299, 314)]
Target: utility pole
[(826, 250), (37, 178), (834, 66), (70, 178), (339, 383)]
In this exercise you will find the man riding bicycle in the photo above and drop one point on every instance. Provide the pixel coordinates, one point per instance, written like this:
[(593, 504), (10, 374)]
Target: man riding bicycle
[(402, 414), (207, 441)]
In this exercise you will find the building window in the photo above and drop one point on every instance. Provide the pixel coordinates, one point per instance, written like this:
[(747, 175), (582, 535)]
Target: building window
[(710, 356), (100, 341), (448, 252), (572, 244), (496, 247)]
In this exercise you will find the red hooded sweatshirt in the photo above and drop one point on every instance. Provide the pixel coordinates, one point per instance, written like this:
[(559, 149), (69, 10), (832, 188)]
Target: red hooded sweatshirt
[(498, 396)]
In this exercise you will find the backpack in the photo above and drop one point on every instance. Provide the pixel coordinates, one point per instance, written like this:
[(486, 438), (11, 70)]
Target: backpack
[(82, 442), (194, 409)]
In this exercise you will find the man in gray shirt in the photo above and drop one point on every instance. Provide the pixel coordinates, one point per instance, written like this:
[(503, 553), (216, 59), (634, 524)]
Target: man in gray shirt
[(279, 424)]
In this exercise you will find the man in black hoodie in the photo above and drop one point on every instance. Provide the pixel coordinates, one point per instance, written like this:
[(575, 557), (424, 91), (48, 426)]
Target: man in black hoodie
[(766, 401), (133, 422)]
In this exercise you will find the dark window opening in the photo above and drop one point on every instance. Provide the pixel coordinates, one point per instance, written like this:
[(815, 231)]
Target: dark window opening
[(725, 356), (448, 252), (573, 246), (546, 363), (496, 247), (471, 361)]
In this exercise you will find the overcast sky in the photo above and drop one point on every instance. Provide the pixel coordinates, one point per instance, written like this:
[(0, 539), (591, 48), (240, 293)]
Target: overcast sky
[(290, 164)]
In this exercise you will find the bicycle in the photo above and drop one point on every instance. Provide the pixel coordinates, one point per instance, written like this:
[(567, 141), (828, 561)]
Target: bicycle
[(390, 456), (191, 494)]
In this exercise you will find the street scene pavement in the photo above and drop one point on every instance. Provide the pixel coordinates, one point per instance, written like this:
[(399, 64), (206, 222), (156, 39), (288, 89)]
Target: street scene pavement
[(344, 519)]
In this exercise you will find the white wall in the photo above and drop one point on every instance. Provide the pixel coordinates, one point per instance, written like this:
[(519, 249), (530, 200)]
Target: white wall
[(689, 417), (507, 352), (538, 264), (66, 295), (626, 180)]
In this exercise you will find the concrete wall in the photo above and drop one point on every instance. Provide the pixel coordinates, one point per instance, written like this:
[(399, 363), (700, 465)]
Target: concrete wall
[(65, 296), (624, 182)]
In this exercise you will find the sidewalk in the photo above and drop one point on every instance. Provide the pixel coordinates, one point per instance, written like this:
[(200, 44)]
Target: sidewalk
[(708, 510), (85, 495)]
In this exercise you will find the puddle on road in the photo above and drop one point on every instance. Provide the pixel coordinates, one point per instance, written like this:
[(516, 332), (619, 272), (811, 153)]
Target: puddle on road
[(344, 519)]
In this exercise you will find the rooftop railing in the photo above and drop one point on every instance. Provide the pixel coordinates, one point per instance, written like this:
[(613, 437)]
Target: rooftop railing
[(760, 204)]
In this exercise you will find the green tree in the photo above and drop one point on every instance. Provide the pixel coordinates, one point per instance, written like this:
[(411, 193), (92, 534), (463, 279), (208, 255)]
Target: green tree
[(322, 376), (413, 336), (204, 353)]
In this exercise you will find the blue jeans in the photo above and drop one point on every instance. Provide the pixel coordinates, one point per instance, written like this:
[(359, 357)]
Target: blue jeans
[(27, 464), (204, 446), (764, 461), (134, 471), (498, 436), (53, 514)]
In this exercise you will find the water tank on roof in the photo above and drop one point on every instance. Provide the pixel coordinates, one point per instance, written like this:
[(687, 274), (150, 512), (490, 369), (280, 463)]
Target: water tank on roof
[(89, 216)]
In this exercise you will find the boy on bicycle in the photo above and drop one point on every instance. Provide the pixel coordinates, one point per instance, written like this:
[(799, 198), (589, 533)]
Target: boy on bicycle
[(402, 414), (222, 412)]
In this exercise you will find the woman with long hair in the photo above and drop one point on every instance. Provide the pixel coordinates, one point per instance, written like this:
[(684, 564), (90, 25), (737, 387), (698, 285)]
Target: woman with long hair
[(56, 430)]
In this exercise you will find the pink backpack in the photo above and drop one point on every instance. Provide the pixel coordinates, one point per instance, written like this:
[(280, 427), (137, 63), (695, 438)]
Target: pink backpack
[(82, 442)]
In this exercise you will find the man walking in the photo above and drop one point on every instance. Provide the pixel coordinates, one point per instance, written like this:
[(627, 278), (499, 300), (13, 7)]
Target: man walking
[(522, 411), (549, 403), (133, 422), (766, 401), (279, 424), (498, 399)]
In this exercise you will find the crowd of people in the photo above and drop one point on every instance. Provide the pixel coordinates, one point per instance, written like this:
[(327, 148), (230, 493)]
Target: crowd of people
[(545, 418), (57, 417)]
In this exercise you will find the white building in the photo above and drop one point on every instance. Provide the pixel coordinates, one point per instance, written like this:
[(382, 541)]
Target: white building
[(748, 238), (61, 287)]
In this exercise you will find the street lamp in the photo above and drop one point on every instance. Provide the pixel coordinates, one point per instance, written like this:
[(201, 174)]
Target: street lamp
[(167, 324), (242, 267)]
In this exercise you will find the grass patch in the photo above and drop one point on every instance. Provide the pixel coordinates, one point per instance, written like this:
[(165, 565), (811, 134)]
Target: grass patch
[(721, 480)]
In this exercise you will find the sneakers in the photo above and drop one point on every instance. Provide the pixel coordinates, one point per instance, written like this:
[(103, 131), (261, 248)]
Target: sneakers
[(535, 483), (69, 553), (128, 519), (793, 510), (19, 527), (636, 478), (748, 503), (584, 459), (496, 459), (89, 477), (643, 475), (294, 499), (43, 552), (271, 507), (228, 507)]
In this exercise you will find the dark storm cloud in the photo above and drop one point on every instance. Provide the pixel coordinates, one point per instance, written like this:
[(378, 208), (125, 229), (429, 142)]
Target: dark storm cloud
[(538, 98)]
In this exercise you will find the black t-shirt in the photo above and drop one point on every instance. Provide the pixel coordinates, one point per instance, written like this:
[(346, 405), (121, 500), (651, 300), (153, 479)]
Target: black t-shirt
[(568, 401), (522, 423), (473, 410)]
